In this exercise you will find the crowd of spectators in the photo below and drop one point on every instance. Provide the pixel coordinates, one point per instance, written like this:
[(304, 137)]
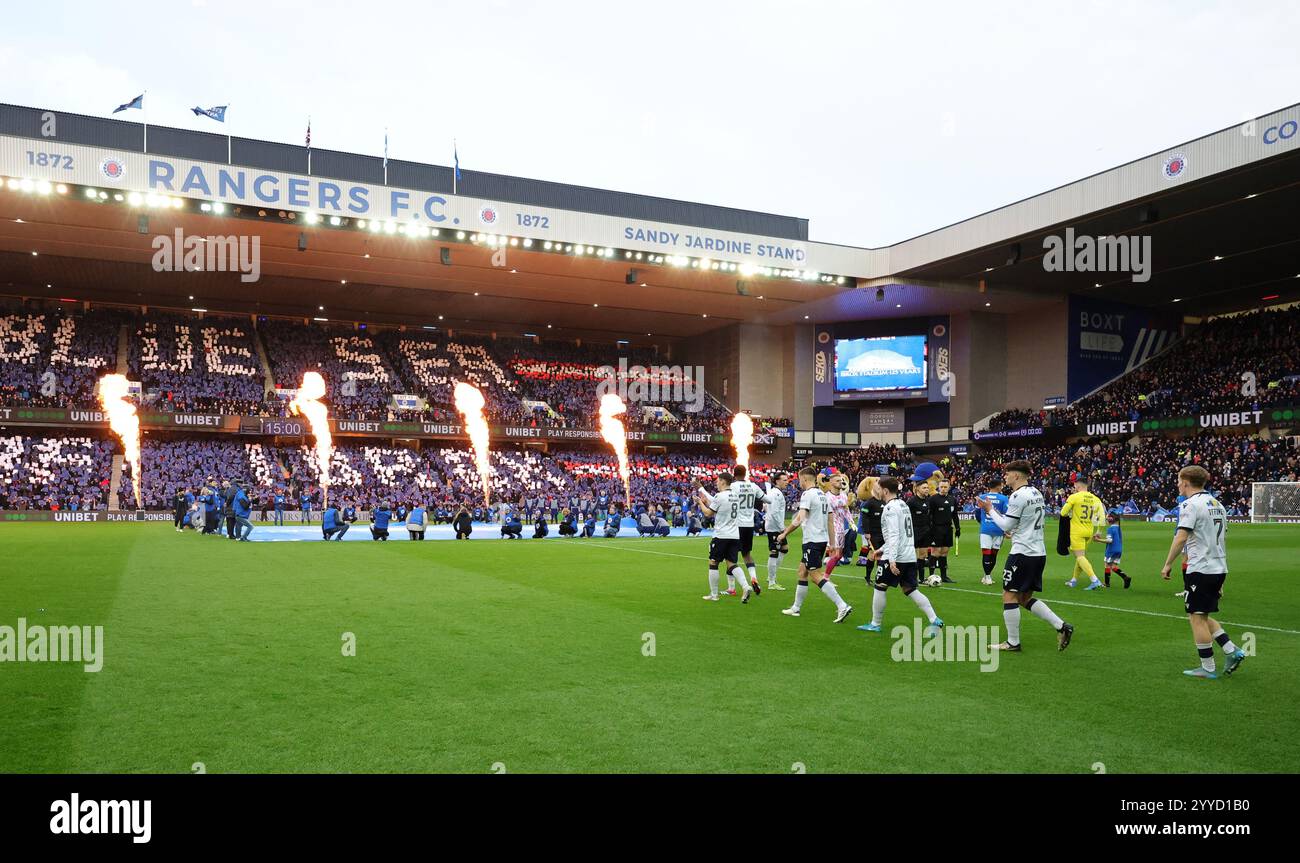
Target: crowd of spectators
[(1202, 373), (54, 473), (66, 472), (359, 381), (54, 360), (211, 364), (197, 366), (1143, 478)]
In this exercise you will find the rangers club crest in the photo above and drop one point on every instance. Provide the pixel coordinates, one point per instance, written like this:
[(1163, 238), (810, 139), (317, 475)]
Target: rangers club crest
[(1175, 166), (112, 168), (487, 215)]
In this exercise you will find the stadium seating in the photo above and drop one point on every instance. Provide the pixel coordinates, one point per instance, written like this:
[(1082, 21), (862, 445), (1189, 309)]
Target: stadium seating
[(210, 364), (53, 360), (54, 472), (40, 472), (185, 364), (1200, 374)]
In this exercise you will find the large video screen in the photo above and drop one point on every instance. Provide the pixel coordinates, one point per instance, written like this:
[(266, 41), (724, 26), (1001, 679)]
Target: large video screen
[(880, 364)]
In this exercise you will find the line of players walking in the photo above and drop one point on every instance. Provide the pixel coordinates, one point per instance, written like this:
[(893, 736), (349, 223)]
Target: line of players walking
[(904, 536)]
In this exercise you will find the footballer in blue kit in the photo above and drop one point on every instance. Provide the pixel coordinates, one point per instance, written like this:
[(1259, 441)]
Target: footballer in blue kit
[(1115, 549), (991, 535)]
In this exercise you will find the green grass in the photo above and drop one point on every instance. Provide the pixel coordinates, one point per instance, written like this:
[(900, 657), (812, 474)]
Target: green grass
[(530, 654)]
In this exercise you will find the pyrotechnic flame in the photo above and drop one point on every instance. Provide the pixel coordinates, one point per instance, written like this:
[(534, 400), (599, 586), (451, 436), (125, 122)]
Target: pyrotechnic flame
[(307, 402), (615, 435), (742, 436), (469, 401), (124, 422)]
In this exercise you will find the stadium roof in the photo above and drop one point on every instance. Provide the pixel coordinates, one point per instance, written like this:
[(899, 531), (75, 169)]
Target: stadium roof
[(1219, 212)]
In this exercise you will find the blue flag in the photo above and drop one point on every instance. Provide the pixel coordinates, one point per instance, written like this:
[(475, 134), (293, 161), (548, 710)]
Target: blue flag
[(455, 155), (218, 113), (137, 102)]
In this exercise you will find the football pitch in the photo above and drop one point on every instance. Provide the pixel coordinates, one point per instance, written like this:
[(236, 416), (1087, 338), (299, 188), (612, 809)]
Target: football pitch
[(600, 656)]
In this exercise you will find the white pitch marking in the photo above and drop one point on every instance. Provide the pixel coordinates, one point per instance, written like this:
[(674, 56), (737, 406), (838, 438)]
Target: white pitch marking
[(1055, 601)]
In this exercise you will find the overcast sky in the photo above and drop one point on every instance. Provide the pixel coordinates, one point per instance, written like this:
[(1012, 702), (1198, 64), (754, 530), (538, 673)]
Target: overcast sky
[(875, 121)]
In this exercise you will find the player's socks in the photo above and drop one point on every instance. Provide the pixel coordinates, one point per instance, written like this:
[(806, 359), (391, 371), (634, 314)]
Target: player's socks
[(871, 565), (1206, 652), (1086, 566), (799, 593), (943, 568), (753, 572), (878, 598), (713, 581), (988, 559), (772, 566), (731, 582), (1011, 619), (1225, 642), (1108, 575), (1122, 574), (828, 588), (830, 565), (923, 603), (1040, 609)]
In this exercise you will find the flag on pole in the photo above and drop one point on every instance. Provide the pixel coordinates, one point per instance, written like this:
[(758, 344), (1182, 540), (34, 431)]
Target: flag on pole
[(308, 144), (385, 157), (455, 174), (217, 113), (137, 102)]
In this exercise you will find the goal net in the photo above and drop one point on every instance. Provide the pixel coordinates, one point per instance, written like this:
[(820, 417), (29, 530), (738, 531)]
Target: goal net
[(1274, 501)]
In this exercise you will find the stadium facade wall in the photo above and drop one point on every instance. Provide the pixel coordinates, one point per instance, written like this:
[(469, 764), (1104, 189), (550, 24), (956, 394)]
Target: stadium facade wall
[(718, 352), (959, 326), (762, 373), (291, 158), (987, 356), (1036, 362)]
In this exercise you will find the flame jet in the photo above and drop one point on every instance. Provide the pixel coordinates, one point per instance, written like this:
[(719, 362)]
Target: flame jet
[(469, 401), (614, 433), (308, 402), (125, 423), (742, 437)]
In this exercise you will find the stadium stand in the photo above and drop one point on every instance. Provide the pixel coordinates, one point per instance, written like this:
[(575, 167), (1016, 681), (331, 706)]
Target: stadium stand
[(53, 360), (184, 364), (1200, 373)]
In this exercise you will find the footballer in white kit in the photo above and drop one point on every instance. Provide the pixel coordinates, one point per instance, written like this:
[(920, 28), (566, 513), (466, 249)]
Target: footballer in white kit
[(814, 517), (750, 497), (725, 545), (1202, 535), (1023, 575), (897, 558), (774, 523)]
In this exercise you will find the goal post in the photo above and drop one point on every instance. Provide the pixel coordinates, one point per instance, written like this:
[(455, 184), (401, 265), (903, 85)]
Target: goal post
[(1274, 501)]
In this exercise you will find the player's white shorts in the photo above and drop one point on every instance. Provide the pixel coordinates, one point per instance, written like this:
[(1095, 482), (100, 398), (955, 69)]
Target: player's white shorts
[(994, 542)]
